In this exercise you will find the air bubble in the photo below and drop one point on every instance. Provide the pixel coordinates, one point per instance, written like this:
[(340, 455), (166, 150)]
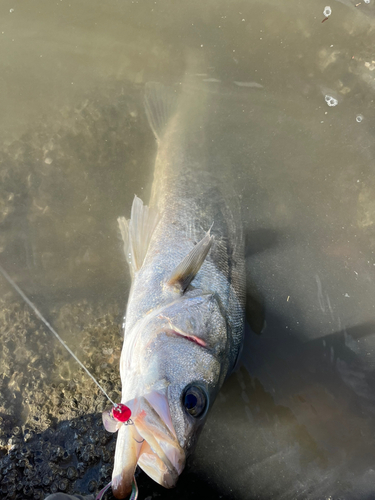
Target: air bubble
[(359, 118), (331, 101), (327, 11), (366, 1)]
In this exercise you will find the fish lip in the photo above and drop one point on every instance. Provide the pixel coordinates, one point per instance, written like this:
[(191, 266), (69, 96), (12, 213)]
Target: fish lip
[(126, 457), (168, 478), (156, 447), (155, 426), (120, 487)]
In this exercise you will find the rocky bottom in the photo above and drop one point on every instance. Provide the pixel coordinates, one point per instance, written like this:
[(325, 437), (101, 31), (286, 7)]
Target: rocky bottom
[(52, 437)]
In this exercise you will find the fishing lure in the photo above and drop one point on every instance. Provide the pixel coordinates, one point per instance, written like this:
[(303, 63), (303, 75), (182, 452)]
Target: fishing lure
[(115, 417)]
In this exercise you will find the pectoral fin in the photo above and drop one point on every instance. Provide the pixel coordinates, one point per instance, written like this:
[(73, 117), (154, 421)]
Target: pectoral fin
[(137, 232), (186, 271)]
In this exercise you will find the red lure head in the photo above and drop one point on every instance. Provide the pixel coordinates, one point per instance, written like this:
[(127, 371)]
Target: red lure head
[(121, 412)]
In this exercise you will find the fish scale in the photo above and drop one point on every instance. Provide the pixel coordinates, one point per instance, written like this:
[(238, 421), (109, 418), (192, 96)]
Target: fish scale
[(185, 314)]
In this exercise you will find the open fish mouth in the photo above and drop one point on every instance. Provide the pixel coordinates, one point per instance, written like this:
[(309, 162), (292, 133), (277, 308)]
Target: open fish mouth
[(150, 441)]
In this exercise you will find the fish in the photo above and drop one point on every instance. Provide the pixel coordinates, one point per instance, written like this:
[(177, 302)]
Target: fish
[(184, 318)]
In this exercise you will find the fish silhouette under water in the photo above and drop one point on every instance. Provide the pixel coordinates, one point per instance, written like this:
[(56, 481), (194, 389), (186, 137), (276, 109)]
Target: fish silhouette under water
[(185, 314)]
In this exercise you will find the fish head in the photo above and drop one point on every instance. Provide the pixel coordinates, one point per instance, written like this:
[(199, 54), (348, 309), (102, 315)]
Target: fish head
[(172, 367), (195, 362)]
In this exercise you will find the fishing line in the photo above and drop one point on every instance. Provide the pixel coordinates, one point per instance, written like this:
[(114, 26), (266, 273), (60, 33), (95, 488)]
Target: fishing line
[(51, 329)]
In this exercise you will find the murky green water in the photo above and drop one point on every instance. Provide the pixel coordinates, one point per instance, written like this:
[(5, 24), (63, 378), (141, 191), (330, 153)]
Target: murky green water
[(298, 419)]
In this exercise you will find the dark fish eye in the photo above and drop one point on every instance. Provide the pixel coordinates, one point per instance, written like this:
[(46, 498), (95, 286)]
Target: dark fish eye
[(195, 400)]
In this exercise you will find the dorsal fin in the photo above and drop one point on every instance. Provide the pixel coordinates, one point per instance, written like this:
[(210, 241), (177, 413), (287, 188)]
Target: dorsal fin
[(186, 271), (160, 104), (137, 232)]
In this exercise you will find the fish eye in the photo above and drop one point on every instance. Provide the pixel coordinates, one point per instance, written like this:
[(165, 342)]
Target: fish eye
[(195, 400)]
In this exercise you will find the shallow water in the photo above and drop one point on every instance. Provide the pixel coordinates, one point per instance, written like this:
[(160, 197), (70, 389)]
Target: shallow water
[(297, 419)]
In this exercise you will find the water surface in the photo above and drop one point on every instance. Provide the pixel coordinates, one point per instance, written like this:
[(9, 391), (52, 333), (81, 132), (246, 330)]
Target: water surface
[(297, 419)]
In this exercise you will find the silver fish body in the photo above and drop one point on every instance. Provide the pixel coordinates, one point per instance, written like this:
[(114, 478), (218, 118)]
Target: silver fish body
[(184, 318)]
